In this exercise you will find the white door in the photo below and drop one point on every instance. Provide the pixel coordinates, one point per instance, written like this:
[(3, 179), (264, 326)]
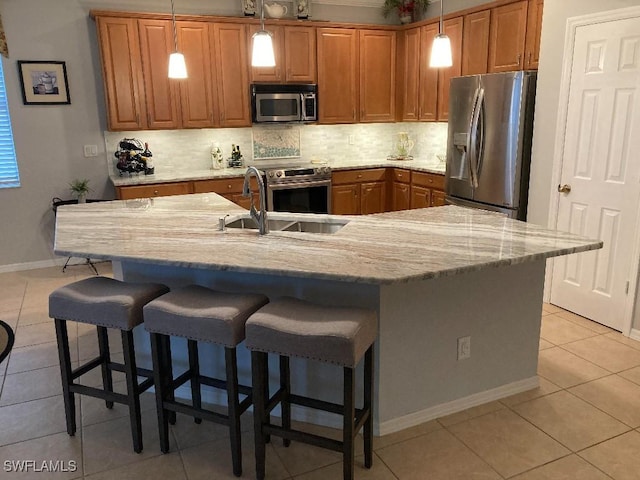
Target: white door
[(601, 166)]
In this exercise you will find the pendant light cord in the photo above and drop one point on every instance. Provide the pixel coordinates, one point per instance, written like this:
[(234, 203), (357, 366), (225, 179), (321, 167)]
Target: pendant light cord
[(261, 15), (441, 15), (175, 30)]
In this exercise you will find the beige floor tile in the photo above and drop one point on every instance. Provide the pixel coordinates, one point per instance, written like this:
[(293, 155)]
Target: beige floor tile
[(606, 353), (436, 456), (29, 420), (545, 388), (39, 333), (629, 342), (567, 468), (573, 422), (201, 461), (406, 434), (31, 385), (508, 443), (633, 374), (95, 411), (33, 316), (614, 395), (558, 331), (378, 471), (301, 458), (45, 451), (10, 317), (566, 369), (165, 466), (617, 457), (108, 445), (547, 307), (34, 357), (544, 344), (470, 413), (88, 341), (584, 322)]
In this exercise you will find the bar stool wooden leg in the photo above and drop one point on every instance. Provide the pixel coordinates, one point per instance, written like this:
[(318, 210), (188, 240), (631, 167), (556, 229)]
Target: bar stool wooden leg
[(66, 373), (160, 379), (194, 366), (233, 405), (260, 377), (285, 405), (348, 424), (131, 375), (368, 405), (107, 378)]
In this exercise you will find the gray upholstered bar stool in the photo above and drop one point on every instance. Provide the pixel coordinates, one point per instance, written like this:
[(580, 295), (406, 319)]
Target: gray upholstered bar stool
[(105, 303), (294, 328), (200, 314)]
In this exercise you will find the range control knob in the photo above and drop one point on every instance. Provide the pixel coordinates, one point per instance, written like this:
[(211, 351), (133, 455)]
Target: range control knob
[(271, 174), (279, 173)]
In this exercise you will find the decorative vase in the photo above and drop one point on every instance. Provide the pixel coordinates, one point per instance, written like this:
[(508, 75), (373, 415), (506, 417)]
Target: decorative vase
[(303, 8), (82, 198), (406, 18), (248, 8)]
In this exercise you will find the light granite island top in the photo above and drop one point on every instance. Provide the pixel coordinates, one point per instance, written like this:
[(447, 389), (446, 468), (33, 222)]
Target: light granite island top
[(433, 276)]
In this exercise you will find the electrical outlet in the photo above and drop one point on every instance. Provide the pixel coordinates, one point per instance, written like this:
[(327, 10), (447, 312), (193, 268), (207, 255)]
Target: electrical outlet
[(90, 151), (352, 139), (464, 348)]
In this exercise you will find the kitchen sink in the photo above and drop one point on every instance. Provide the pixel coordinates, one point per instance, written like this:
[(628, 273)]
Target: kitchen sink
[(306, 225)]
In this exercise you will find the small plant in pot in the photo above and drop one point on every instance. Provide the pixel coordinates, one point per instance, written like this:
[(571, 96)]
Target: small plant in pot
[(79, 189), (406, 9)]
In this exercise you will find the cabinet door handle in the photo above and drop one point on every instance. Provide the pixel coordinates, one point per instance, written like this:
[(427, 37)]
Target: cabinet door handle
[(155, 192), (529, 60), (149, 118), (519, 58), (354, 114), (138, 118)]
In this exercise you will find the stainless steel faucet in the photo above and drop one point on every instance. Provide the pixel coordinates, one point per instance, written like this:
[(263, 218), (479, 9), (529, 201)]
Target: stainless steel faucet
[(261, 217)]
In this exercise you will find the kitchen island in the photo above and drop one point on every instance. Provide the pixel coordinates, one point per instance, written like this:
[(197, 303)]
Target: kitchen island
[(433, 275)]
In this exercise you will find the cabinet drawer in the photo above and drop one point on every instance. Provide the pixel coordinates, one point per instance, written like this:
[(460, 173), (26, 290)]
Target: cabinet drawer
[(357, 176), (222, 186), (402, 176), (154, 190), (429, 180)]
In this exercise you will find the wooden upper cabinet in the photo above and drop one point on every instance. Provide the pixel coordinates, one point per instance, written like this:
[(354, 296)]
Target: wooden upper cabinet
[(377, 75), (408, 76), (428, 95), (161, 92), (337, 75), (475, 45), (453, 29), (534, 29), (123, 82), (230, 48), (268, 74), (300, 54), (197, 92), (507, 37)]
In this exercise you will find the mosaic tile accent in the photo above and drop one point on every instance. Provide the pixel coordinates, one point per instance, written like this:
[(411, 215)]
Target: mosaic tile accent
[(276, 142)]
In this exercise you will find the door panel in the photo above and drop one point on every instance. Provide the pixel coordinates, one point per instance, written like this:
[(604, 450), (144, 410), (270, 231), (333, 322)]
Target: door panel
[(602, 138)]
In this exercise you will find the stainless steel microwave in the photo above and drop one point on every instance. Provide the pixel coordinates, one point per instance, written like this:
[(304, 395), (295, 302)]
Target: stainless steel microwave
[(284, 103)]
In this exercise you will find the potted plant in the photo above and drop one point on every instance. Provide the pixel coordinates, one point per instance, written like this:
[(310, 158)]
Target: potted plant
[(406, 9), (79, 189)]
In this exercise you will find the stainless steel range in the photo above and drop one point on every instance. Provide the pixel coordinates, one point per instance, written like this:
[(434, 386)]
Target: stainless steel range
[(299, 189)]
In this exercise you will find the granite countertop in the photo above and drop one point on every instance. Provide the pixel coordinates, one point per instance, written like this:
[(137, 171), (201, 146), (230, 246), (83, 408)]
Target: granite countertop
[(376, 249), (173, 175)]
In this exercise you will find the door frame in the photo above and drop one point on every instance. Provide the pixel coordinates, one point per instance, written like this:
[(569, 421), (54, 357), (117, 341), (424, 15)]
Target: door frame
[(573, 24)]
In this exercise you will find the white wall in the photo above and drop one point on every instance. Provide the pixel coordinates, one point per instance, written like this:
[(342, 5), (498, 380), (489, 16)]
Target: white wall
[(49, 139)]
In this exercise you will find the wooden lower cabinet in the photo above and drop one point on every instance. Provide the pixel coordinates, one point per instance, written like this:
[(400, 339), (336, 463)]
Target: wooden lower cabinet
[(420, 197), (154, 190), (400, 196), (357, 192), (427, 190), (345, 199), (373, 197), (437, 198)]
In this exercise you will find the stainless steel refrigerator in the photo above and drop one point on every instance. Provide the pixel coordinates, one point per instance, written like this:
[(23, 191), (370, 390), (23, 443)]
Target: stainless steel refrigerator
[(489, 144)]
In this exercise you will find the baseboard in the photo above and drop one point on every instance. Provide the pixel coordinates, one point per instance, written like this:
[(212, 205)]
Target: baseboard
[(390, 426), (458, 405), (635, 334), (55, 262)]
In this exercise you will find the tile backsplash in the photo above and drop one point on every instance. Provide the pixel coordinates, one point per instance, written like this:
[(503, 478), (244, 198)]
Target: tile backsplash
[(190, 149)]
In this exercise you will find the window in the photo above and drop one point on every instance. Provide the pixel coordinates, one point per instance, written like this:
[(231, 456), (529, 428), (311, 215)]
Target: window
[(9, 176)]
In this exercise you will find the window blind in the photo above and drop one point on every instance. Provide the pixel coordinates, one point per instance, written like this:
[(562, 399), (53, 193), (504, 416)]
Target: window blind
[(9, 176)]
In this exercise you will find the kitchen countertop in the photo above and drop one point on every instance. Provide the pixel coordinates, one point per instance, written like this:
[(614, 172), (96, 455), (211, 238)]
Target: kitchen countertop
[(173, 175), (383, 248)]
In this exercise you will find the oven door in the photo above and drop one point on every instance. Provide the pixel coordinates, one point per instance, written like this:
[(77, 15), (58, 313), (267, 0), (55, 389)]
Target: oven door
[(277, 107), (300, 197)]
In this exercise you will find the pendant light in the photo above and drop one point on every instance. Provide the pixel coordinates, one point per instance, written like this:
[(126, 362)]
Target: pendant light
[(441, 49), (262, 54), (177, 65)]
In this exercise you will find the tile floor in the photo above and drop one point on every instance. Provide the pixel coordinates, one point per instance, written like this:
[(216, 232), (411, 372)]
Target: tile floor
[(583, 422)]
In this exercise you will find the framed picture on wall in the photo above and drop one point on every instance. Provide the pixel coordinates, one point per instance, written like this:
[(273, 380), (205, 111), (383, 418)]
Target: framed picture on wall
[(43, 82)]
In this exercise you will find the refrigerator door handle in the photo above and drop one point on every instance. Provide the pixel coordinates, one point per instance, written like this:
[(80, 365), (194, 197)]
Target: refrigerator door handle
[(480, 130), (473, 137)]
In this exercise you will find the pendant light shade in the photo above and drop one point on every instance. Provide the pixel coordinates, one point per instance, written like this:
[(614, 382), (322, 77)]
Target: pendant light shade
[(441, 52), (262, 53), (177, 65), (441, 49)]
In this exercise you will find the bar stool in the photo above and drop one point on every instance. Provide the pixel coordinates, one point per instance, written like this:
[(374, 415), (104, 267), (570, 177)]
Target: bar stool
[(294, 328), (200, 314), (105, 303)]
